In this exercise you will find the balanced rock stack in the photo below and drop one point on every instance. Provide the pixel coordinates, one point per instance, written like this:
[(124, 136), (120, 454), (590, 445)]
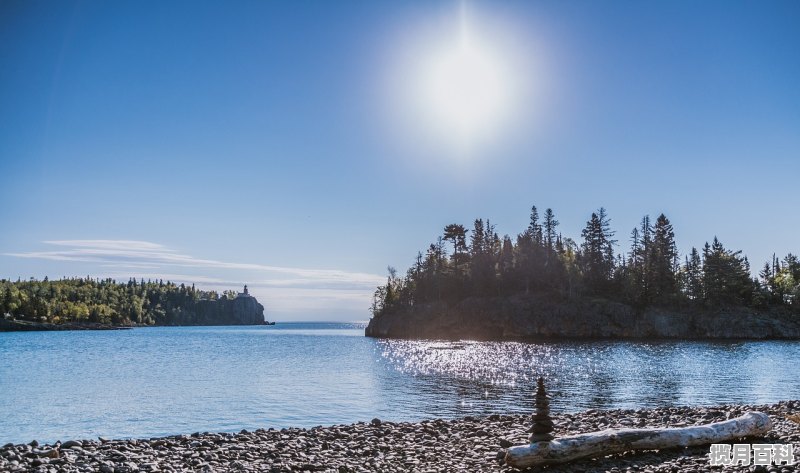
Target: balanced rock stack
[(542, 423)]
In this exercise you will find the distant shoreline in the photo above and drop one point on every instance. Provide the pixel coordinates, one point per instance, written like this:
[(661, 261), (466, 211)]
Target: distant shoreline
[(10, 325), (7, 325), (379, 445)]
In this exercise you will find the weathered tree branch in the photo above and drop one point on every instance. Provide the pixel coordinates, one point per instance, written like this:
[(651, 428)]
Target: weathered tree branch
[(609, 441)]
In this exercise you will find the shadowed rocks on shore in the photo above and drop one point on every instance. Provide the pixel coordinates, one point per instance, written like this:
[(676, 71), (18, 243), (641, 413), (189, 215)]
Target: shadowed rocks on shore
[(539, 317), (469, 444)]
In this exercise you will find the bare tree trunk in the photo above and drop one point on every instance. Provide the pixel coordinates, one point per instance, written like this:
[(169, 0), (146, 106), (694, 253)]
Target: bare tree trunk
[(609, 441)]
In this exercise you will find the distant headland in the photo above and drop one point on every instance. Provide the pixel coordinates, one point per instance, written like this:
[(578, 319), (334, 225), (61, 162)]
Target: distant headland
[(543, 285), (92, 304)]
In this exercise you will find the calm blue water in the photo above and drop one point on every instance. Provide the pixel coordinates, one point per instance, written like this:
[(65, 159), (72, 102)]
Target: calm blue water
[(161, 381)]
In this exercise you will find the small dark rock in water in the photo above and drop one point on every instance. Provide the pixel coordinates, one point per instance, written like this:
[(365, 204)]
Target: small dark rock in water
[(34, 443), (375, 422), (71, 443)]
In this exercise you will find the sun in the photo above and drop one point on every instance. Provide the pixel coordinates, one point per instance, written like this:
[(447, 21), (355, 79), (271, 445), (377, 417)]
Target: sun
[(464, 89), (461, 85)]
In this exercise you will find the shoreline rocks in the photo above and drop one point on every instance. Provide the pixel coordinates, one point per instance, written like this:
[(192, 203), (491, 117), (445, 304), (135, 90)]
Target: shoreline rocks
[(469, 444), (538, 317), (9, 325)]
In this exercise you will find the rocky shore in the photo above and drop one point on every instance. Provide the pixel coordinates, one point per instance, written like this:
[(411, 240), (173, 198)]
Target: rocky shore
[(543, 316), (470, 444), (7, 325)]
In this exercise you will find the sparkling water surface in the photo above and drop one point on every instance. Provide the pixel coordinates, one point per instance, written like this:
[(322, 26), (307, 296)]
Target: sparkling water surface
[(170, 380)]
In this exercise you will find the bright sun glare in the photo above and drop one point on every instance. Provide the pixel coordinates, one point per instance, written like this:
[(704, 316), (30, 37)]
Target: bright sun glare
[(464, 89)]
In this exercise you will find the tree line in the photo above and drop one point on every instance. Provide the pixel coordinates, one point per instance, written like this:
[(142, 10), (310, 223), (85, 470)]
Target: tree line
[(100, 300), (479, 263)]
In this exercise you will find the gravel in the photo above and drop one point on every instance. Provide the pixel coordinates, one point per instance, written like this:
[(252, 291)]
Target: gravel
[(473, 444)]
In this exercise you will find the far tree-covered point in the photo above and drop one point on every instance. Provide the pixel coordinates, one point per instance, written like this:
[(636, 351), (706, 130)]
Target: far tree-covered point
[(135, 303)]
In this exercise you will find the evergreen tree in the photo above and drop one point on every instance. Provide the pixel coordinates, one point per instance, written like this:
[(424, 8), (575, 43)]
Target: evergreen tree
[(726, 276), (693, 276), (534, 228), (597, 254), (507, 261), (477, 242), (482, 257), (456, 234), (663, 260), (550, 224)]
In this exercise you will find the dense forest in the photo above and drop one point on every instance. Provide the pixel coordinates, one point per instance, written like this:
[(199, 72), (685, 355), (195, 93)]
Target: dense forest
[(649, 272), (101, 301)]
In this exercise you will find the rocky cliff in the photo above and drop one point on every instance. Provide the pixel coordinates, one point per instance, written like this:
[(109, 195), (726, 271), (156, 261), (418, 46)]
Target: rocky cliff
[(538, 317), (242, 310)]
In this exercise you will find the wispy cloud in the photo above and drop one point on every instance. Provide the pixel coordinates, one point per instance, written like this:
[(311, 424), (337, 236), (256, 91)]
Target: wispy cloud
[(135, 254), (287, 293)]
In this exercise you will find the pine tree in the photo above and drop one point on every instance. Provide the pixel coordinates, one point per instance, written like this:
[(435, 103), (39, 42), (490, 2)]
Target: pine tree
[(456, 234), (693, 271), (477, 242), (483, 255), (726, 276), (534, 228), (597, 254), (663, 260), (507, 260), (550, 224)]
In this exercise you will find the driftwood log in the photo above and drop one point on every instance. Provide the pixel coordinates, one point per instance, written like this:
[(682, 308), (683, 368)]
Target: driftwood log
[(609, 441)]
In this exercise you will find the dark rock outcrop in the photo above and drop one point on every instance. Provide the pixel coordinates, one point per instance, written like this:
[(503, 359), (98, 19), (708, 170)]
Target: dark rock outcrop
[(242, 310), (538, 317)]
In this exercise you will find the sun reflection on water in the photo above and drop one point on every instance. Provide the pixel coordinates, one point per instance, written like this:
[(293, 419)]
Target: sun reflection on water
[(496, 363), (501, 376)]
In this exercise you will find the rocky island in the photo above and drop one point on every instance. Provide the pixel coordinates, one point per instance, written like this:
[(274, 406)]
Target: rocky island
[(544, 285), (88, 304)]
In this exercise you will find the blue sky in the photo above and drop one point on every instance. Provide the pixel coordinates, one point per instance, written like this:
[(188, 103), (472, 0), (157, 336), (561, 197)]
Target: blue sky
[(259, 142)]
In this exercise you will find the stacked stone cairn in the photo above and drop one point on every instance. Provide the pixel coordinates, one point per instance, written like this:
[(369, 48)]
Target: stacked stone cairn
[(542, 423)]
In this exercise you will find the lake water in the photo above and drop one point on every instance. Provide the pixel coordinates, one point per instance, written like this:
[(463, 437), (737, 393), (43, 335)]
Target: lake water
[(170, 380)]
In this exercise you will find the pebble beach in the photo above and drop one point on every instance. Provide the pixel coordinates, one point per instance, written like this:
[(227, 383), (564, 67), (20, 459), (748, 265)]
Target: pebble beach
[(469, 444)]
